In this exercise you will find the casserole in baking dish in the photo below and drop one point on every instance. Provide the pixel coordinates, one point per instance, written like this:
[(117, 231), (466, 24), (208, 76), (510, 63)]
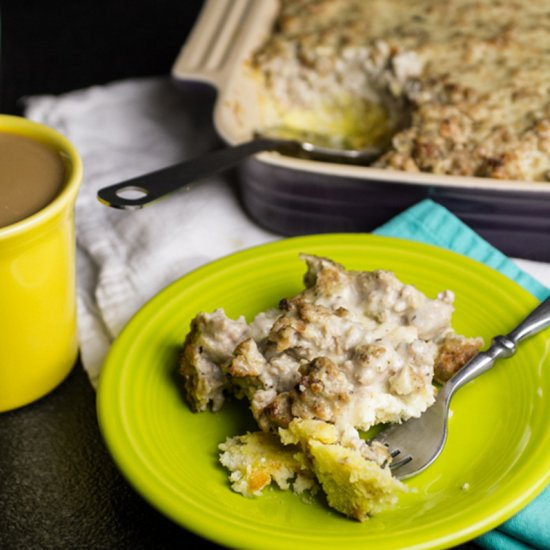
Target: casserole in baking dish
[(294, 196)]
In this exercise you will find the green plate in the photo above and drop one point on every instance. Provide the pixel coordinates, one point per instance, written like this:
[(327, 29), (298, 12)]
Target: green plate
[(496, 459)]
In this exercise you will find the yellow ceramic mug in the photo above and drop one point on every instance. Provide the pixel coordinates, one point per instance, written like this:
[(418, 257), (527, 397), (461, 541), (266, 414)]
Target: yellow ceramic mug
[(38, 337)]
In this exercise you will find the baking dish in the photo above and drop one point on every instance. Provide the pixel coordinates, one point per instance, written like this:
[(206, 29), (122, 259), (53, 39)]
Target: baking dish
[(293, 196)]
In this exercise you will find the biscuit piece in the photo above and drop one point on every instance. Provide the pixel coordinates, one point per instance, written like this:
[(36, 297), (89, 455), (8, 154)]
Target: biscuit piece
[(257, 459), (353, 474), (350, 473)]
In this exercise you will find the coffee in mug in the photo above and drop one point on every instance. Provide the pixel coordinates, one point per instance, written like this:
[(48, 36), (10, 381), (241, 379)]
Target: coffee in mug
[(31, 176)]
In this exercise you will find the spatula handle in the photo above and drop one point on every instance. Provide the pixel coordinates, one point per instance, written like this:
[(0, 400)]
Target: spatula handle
[(137, 192)]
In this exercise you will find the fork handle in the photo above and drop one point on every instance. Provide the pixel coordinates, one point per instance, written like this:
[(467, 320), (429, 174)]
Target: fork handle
[(536, 321), (502, 346)]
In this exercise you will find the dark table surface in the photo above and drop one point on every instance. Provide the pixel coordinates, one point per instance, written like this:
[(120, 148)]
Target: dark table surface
[(59, 487)]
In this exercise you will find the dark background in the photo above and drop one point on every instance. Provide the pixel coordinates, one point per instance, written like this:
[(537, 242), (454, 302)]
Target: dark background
[(59, 488), (53, 46)]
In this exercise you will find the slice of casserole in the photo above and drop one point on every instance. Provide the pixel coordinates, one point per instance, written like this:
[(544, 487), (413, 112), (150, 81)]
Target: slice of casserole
[(352, 350)]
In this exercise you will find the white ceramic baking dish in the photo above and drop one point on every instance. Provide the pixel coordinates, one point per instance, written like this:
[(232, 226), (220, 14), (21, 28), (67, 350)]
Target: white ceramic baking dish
[(298, 196)]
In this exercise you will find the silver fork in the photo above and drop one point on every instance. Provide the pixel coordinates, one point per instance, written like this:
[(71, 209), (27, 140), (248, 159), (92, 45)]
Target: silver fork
[(417, 442)]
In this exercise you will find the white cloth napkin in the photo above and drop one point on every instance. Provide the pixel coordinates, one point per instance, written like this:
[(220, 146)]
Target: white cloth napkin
[(122, 130)]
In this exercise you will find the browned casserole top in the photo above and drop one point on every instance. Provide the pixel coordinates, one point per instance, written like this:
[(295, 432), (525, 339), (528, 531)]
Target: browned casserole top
[(465, 83)]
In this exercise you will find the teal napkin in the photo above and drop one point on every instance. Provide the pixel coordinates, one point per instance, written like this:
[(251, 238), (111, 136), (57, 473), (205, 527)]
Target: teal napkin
[(431, 223)]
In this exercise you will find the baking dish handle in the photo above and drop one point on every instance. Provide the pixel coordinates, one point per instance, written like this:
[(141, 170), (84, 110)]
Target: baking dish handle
[(216, 43)]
